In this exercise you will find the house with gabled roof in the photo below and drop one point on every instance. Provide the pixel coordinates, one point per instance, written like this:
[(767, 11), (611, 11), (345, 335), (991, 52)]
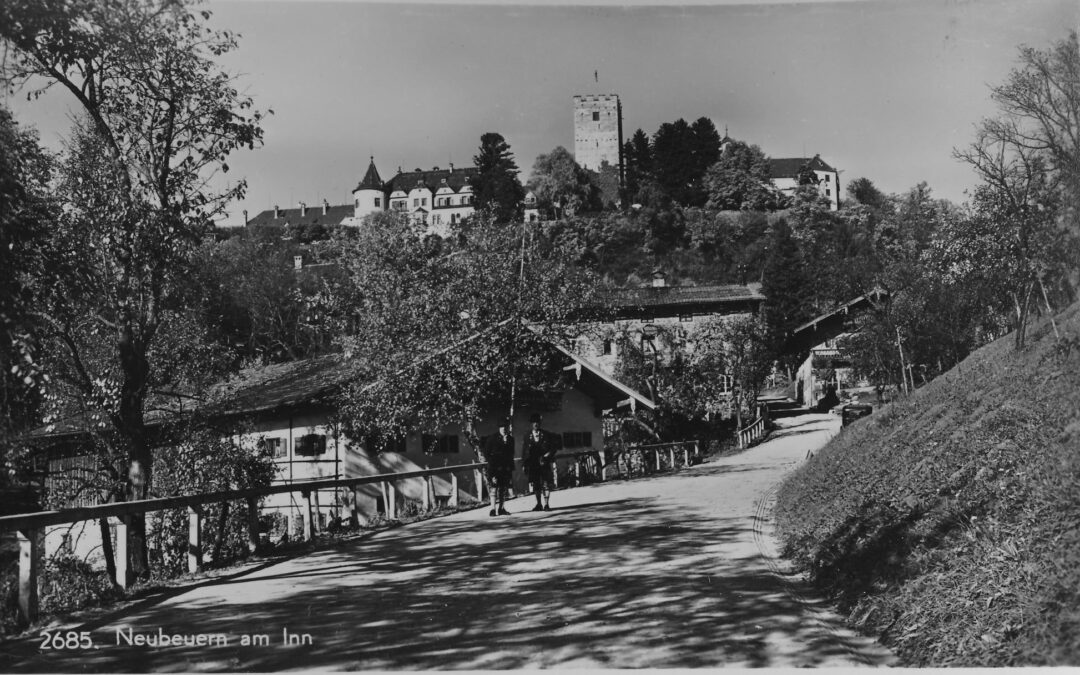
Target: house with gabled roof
[(637, 312), (785, 176), (824, 365), (288, 411)]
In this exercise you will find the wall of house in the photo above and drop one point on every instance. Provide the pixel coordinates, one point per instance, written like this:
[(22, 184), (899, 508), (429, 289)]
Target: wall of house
[(828, 186), (599, 342)]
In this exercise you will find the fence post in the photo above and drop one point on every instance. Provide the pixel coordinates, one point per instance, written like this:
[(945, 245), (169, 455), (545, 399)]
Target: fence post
[(30, 546), (391, 500), (656, 452), (478, 476), (123, 564), (253, 524), (686, 455), (354, 514), (316, 516), (194, 556), (671, 456), (577, 470), (697, 449), (426, 500), (453, 501), (309, 526)]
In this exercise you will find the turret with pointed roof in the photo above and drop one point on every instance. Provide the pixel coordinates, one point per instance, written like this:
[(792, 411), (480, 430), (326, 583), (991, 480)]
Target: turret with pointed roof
[(368, 197), (371, 180)]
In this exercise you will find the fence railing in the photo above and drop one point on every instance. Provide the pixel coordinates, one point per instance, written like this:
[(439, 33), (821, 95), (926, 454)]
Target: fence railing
[(751, 432), (31, 526), (643, 459)]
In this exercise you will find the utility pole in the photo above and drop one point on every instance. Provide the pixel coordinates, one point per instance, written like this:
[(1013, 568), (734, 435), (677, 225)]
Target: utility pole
[(517, 323), (903, 368)]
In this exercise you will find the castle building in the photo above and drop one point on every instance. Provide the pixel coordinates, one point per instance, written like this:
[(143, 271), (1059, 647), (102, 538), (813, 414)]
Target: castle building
[(598, 134), (436, 198), (785, 176)]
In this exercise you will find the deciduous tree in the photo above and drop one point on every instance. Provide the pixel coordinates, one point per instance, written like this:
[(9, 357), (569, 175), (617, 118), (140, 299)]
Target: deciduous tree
[(158, 118), (740, 180), (561, 186)]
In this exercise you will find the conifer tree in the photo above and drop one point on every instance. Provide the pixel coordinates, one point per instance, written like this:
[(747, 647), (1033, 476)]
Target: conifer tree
[(497, 188)]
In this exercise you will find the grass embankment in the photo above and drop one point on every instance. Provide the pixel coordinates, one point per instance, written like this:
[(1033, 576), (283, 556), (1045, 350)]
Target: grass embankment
[(948, 522)]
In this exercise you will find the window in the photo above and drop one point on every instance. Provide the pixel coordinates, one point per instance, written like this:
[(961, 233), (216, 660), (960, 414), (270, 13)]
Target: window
[(440, 445), (311, 445), (577, 439), (374, 445), (378, 202), (356, 203), (606, 347), (436, 219), (423, 202), (275, 447), (726, 384), (415, 203), (596, 116)]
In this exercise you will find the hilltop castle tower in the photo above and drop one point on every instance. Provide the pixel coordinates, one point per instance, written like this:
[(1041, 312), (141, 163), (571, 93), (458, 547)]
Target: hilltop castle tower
[(598, 133)]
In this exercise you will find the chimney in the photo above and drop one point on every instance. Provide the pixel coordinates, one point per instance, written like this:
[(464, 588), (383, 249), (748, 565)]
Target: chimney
[(298, 262), (325, 206), (277, 212), (303, 210), (659, 279), (451, 167), (245, 218)]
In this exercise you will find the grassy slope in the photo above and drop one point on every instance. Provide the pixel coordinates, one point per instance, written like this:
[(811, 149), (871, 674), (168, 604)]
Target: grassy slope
[(949, 521)]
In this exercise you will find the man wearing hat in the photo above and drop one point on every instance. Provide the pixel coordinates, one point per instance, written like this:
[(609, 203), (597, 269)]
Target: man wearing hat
[(539, 455), (498, 451)]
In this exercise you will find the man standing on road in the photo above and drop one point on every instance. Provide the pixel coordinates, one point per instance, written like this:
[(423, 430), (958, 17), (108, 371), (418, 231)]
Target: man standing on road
[(498, 451), (539, 455)]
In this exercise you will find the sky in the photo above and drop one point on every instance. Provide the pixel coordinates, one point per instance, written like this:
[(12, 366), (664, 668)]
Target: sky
[(881, 89)]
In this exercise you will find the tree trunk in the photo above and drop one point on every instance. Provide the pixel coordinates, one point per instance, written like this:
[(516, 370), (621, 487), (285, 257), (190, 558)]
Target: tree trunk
[(223, 520), (107, 549), (135, 370), (1023, 309)]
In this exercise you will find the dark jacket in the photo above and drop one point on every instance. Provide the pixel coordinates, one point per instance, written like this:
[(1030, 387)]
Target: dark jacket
[(499, 454), (538, 455)]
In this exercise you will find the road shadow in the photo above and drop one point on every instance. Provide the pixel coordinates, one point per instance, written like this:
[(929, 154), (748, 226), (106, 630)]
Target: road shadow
[(613, 584)]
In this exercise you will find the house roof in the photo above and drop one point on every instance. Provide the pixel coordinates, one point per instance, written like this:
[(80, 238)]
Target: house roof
[(605, 389), (265, 388), (433, 179), (682, 299), (334, 216), (788, 167), (371, 180), (831, 324)]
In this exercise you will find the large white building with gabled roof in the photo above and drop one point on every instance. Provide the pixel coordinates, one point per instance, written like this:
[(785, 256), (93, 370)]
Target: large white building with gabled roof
[(437, 198)]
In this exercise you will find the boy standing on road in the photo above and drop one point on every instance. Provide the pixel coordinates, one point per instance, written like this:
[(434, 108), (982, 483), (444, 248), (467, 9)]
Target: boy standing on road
[(498, 451), (539, 454)]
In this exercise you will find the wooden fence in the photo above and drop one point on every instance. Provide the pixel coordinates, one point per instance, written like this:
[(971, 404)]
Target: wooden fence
[(31, 526), (751, 432)]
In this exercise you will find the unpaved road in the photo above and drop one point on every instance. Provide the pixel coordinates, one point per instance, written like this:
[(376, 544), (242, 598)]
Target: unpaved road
[(674, 571)]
